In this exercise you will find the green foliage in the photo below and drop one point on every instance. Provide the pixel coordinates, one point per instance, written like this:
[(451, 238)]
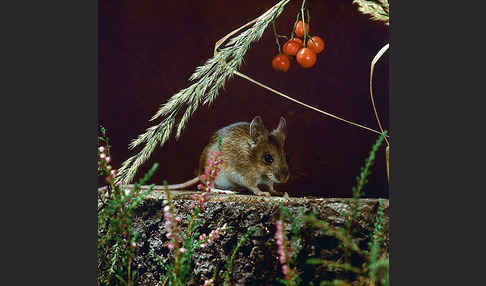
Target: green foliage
[(295, 242), (116, 236), (375, 263), (374, 270), (366, 273), (229, 262), (378, 10), (296, 223)]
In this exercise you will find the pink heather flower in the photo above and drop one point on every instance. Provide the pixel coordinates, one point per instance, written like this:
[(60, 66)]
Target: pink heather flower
[(102, 155), (134, 244), (208, 282), (108, 159), (113, 172), (284, 269), (193, 205), (167, 225), (182, 250), (279, 235), (102, 149), (213, 235), (207, 179), (171, 228)]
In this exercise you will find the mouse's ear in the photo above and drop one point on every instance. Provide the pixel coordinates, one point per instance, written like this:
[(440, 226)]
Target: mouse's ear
[(258, 131), (281, 130)]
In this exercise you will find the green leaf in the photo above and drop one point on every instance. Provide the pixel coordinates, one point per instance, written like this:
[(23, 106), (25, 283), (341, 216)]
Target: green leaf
[(314, 261), (121, 279)]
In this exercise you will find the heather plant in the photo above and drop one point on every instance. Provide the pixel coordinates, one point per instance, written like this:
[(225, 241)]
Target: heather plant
[(288, 248), (117, 240), (183, 243), (229, 262), (374, 269)]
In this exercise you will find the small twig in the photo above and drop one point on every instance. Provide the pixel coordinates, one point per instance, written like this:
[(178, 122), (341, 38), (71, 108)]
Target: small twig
[(373, 62), (303, 23), (295, 25), (306, 105), (276, 37)]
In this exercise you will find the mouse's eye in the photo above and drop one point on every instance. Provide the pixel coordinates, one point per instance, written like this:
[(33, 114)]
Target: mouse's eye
[(287, 158), (268, 158)]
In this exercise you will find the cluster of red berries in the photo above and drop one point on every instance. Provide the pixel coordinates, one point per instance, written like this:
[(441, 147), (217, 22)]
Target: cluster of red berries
[(306, 55)]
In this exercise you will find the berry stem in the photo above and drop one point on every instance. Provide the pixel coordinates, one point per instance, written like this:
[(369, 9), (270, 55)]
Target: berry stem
[(292, 35), (303, 23), (276, 37), (308, 20)]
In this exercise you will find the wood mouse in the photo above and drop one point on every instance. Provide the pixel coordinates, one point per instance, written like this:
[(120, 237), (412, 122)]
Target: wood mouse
[(251, 156)]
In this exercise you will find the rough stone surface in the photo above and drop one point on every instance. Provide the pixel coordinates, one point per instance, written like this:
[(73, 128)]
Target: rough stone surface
[(257, 261)]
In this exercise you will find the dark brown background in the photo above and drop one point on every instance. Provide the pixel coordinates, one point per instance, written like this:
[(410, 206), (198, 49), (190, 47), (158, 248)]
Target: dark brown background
[(148, 50)]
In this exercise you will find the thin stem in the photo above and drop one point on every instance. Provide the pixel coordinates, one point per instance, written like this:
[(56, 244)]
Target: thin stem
[(301, 103), (292, 35), (303, 22), (129, 268), (193, 218), (175, 241), (388, 162), (373, 62), (276, 37)]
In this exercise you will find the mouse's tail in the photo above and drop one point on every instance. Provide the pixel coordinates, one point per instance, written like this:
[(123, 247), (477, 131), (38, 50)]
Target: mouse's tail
[(186, 184), (189, 183)]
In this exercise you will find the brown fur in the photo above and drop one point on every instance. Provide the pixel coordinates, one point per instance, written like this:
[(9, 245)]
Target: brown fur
[(243, 148)]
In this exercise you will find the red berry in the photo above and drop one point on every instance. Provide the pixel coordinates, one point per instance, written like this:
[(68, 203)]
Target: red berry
[(299, 40), (291, 47), (316, 44), (281, 62), (306, 57), (299, 29)]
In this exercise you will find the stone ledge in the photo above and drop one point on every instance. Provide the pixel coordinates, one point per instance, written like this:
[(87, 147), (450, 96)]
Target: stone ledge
[(256, 263)]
